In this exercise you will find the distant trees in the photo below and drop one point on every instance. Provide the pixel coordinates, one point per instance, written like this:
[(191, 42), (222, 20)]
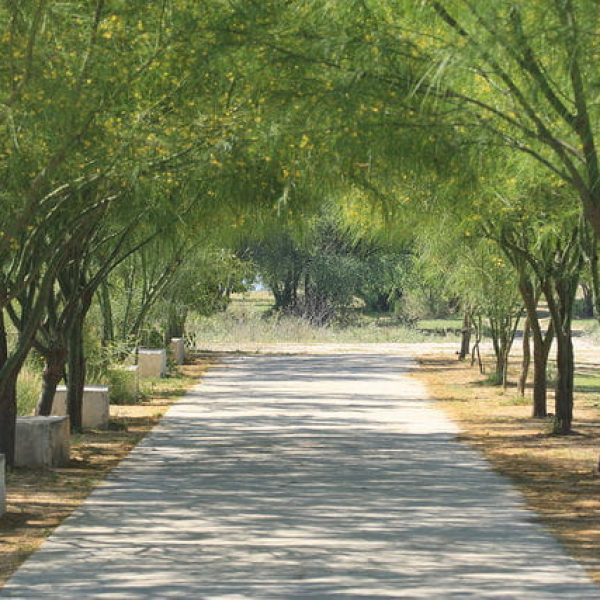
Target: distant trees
[(320, 270)]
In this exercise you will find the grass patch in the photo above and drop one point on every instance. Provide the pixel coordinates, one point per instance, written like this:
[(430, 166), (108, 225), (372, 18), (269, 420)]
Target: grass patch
[(29, 386), (587, 383), (38, 501), (518, 400), (440, 326), (249, 320), (556, 474)]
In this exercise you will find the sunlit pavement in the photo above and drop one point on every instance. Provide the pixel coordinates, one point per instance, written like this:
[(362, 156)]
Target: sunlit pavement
[(310, 476)]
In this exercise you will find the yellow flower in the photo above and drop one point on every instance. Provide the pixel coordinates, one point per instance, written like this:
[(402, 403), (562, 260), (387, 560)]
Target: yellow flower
[(304, 141)]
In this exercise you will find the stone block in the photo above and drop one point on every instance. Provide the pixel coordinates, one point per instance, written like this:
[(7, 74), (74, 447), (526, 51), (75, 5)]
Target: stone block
[(177, 347), (152, 363), (96, 405), (2, 485), (42, 442)]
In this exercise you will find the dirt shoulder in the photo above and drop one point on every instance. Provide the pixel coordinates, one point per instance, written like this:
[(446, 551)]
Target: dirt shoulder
[(557, 475), (38, 501)]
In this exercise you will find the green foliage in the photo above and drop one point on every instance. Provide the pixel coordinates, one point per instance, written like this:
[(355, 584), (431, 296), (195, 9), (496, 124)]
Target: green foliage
[(319, 273), (29, 386), (122, 386), (248, 323)]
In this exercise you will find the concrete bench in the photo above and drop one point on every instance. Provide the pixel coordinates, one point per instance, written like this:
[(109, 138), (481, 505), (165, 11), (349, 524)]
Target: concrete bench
[(42, 442), (152, 363), (96, 405), (177, 347), (2, 485)]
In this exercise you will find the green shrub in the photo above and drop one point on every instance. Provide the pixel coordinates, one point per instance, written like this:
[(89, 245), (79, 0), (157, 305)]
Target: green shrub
[(122, 386), (29, 385)]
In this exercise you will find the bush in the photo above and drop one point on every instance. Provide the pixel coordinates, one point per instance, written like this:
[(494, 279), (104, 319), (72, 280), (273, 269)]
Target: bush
[(29, 386), (122, 386)]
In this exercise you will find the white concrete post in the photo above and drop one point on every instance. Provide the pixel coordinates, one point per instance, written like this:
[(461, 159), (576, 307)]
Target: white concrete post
[(42, 442), (152, 363), (96, 405), (178, 350)]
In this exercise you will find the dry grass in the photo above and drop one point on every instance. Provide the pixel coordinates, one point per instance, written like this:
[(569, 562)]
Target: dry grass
[(38, 501), (557, 475)]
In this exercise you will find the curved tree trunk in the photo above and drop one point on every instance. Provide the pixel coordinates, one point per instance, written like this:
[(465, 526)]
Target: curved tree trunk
[(108, 328), (541, 347), (526, 357), (51, 377), (560, 295)]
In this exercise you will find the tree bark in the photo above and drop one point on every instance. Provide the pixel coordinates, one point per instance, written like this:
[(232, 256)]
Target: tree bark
[(53, 373), (563, 417), (588, 301), (465, 344), (8, 400), (526, 357), (541, 347), (8, 410), (540, 381), (108, 328), (76, 372), (560, 296)]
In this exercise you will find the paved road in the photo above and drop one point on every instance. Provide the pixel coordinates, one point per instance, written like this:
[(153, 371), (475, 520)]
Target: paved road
[(288, 477)]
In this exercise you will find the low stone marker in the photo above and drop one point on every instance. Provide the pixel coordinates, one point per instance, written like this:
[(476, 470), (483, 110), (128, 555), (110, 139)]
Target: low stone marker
[(96, 405), (152, 363), (178, 350), (2, 485), (42, 442)]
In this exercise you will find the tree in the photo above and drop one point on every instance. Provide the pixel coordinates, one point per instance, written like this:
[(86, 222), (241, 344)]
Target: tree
[(523, 73)]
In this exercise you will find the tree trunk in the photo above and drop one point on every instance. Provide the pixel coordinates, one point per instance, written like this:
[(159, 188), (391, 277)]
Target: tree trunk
[(500, 368), (560, 296), (494, 332), (465, 344), (475, 352), (8, 416), (8, 400), (540, 381), (565, 366), (108, 328), (503, 332), (77, 372), (541, 347), (53, 373), (526, 357), (176, 319), (588, 301)]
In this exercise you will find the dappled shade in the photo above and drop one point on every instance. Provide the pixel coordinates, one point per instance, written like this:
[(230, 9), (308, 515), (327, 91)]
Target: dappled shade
[(303, 477)]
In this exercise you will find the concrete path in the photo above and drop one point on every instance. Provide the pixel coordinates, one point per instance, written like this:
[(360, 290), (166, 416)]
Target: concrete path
[(287, 477)]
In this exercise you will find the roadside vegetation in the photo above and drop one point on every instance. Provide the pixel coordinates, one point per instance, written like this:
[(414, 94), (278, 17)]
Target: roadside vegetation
[(250, 319)]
